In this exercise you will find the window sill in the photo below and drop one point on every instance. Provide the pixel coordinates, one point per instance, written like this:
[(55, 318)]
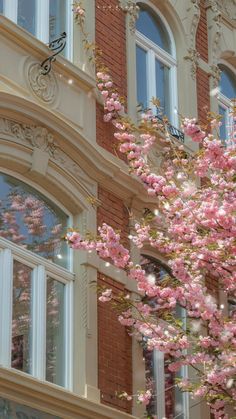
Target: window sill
[(40, 51), (24, 389)]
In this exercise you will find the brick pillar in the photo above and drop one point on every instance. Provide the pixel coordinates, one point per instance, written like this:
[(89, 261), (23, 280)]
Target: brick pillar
[(111, 39)]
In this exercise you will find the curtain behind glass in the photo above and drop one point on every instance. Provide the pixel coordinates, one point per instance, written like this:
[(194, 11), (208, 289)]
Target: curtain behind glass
[(57, 18), (26, 15)]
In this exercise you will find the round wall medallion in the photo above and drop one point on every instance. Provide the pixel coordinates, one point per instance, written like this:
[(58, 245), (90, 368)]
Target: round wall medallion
[(44, 87)]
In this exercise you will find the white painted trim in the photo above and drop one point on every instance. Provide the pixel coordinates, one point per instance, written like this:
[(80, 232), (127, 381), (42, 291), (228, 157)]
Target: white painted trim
[(26, 390), (39, 310), (34, 260), (161, 54), (42, 20), (155, 52), (10, 9), (38, 188), (69, 31), (6, 298), (68, 335), (159, 375), (165, 23)]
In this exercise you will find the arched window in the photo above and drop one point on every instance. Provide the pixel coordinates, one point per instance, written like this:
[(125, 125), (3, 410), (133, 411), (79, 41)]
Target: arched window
[(168, 401), (155, 62), (46, 19), (35, 281), (226, 95)]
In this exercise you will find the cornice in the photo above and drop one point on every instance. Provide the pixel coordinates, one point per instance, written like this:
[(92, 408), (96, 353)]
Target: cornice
[(100, 165), (32, 46), (24, 389)]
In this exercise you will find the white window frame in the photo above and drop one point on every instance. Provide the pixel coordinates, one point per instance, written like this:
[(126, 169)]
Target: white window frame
[(169, 60), (42, 16), (159, 367), (42, 269), (226, 104)]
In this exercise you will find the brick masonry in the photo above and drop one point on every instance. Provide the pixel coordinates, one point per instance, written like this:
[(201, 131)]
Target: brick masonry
[(111, 39), (114, 352), (202, 36)]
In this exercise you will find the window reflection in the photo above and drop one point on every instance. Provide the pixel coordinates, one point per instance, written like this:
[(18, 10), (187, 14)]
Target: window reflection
[(152, 27), (30, 219), (21, 318), (57, 18), (163, 87), (26, 15), (174, 402), (141, 67), (55, 352), (13, 410), (227, 82), (1, 6)]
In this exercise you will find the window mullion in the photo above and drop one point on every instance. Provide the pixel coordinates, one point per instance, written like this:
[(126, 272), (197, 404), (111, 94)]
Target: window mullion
[(43, 20), (151, 78), (68, 313), (10, 9), (39, 287), (160, 382), (6, 281)]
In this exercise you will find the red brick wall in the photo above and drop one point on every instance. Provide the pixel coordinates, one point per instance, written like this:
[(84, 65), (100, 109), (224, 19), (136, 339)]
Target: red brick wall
[(201, 37), (111, 39), (203, 95), (113, 212), (114, 352)]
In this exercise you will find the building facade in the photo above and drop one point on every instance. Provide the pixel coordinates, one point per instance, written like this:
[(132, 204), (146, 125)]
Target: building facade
[(63, 354)]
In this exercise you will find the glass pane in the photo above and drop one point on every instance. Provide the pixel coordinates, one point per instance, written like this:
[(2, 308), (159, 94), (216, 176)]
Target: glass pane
[(227, 82), (55, 352), (163, 87), (1, 6), (13, 410), (26, 15), (141, 69), (21, 318), (57, 18), (150, 25), (30, 219), (223, 128)]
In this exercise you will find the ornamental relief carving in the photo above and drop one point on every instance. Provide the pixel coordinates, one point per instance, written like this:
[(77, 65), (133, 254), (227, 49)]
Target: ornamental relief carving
[(193, 55), (38, 137), (227, 7), (45, 87)]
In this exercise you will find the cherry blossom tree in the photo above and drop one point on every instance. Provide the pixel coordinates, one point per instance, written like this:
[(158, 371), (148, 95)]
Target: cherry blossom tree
[(191, 223), (193, 226)]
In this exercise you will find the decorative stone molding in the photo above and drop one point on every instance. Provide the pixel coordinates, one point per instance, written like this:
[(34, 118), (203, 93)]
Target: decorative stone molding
[(193, 57), (216, 28), (43, 86), (215, 75), (132, 9), (38, 137), (195, 20), (226, 7)]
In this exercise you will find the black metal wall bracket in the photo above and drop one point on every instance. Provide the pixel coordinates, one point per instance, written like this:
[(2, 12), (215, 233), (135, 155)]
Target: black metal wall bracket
[(56, 46)]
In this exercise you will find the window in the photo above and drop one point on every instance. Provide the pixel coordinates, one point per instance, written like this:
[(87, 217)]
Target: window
[(168, 400), (36, 283), (45, 19), (226, 95), (10, 410), (155, 63)]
